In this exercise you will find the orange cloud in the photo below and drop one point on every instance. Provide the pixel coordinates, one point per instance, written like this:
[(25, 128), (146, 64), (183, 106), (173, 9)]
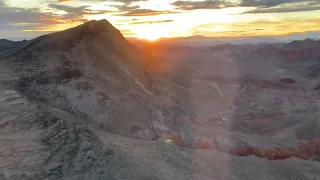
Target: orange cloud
[(259, 27)]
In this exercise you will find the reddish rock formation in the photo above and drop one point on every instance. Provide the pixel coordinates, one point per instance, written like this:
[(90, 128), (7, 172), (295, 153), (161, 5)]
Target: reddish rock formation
[(204, 143), (305, 150), (264, 115), (288, 81), (296, 54)]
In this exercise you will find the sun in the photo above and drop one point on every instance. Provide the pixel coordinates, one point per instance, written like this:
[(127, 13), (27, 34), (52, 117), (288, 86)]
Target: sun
[(151, 32), (149, 37)]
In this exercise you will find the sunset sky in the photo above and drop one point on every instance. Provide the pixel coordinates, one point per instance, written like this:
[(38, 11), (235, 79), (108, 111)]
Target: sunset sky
[(152, 19)]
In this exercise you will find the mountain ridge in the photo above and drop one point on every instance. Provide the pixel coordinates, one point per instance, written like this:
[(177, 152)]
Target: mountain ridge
[(93, 53)]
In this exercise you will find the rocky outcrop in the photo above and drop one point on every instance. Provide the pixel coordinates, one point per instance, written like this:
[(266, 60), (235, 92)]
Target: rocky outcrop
[(94, 72)]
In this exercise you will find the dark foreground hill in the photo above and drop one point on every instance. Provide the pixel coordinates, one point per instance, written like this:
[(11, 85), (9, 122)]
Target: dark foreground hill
[(84, 103)]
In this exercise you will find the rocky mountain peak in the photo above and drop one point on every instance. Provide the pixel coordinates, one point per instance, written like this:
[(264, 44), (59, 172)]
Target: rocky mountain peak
[(95, 30), (100, 27)]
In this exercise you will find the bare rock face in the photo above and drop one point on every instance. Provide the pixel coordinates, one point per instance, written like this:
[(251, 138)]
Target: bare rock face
[(144, 134), (165, 102), (71, 82)]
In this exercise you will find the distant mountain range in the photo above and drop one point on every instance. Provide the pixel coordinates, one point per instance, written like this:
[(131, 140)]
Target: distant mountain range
[(202, 40)]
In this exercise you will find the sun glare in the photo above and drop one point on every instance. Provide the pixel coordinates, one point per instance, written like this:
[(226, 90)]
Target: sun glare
[(151, 32), (148, 36)]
